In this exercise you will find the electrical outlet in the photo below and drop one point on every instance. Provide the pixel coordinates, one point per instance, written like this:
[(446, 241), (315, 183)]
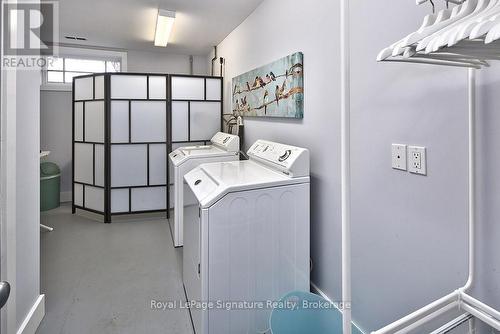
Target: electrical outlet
[(399, 156), (417, 160)]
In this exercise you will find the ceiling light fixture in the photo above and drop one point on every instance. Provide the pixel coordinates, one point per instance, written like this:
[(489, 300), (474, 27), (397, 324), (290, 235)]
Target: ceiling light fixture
[(164, 24)]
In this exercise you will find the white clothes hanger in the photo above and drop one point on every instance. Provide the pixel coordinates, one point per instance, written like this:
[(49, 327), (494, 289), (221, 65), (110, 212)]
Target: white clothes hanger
[(484, 27), (447, 25), (465, 30), (493, 34), (455, 11), (441, 18), (433, 42), (483, 9), (387, 52), (464, 58), (458, 13)]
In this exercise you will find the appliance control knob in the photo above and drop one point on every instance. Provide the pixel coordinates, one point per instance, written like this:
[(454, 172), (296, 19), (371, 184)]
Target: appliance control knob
[(285, 155)]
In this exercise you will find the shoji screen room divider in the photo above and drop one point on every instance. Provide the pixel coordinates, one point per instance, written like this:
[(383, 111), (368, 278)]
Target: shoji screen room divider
[(124, 126)]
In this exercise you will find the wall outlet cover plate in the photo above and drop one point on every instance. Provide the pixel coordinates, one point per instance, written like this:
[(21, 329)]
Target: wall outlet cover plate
[(417, 160), (399, 157)]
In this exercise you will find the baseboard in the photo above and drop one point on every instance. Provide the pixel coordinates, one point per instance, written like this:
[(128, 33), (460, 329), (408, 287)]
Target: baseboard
[(34, 317), (66, 196), (315, 289)]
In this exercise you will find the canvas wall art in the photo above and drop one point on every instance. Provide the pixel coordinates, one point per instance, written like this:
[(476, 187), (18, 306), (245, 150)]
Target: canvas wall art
[(274, 90)]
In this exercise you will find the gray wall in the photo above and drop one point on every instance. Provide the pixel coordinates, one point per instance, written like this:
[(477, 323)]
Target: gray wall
[(56, 106), (409, 232), (156, 62), (27, 192), (55, 132)]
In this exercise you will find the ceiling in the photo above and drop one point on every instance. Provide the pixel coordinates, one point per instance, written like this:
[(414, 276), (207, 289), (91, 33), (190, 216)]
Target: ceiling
[(130, 24)]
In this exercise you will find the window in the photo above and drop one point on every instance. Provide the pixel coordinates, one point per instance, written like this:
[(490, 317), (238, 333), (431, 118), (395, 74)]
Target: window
[(61, 70), (71, 62)]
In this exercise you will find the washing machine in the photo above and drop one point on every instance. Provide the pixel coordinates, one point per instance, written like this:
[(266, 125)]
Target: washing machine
[(224, 147), (246, 244)]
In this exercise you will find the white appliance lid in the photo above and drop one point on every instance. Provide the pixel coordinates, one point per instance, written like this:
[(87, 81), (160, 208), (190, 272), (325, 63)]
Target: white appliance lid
[(226, 141), (183, 154), (212, 181), (198, 151)]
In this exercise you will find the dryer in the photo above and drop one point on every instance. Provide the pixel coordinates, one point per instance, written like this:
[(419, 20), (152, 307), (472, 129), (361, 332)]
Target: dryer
[(224, 147), (248, 243)]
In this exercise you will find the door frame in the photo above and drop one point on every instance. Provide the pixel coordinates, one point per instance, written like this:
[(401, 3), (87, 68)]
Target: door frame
[(7, 188)]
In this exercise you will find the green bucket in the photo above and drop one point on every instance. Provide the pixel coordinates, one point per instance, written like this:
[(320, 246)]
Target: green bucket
[(50, 185)]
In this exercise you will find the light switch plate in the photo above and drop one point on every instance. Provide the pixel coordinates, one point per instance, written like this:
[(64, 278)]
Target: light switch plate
[(417, 160), (399, 156)]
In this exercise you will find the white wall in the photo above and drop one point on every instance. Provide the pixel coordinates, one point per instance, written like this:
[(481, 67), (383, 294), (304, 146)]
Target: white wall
[(27, 192), (56, 106), (409, 232), (156, 62)]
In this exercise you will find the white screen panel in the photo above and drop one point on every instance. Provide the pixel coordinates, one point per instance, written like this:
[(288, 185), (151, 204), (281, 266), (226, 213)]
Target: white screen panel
[(128, 165), (158, 87), (99, 165), (149, 121), (78, 194), (94, 121), (149, 198), (205, 119), (94, 198), (129, 87), (119, 122), (79, 121), (186, 88), (180, 120), (84, 88), (84, 159), (99, 87), (119, 200), (214, 89), (157, 164)]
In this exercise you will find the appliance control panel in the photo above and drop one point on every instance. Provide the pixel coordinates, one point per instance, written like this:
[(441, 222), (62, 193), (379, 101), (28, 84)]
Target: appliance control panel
[(226, 141), (176, 156), (290, 160)]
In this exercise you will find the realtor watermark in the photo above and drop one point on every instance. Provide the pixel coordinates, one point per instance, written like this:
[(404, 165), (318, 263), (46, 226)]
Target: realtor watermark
[(289, 304), (30, 33)]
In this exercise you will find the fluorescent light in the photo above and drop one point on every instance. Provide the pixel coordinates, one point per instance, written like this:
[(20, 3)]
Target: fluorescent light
[(164, 24)]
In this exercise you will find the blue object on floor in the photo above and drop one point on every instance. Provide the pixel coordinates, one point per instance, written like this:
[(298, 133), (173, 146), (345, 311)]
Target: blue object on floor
[(304, 312)]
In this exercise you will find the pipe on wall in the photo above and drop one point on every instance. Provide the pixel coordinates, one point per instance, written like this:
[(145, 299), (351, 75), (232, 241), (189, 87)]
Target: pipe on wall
[(346, 167), (214, 59), (221, 66)]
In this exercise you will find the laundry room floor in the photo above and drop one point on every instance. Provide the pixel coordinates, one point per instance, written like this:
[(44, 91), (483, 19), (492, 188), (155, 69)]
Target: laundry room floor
[(101, 278)]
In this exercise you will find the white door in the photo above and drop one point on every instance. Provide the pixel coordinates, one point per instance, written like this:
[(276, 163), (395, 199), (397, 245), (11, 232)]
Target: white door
[(7, 194)]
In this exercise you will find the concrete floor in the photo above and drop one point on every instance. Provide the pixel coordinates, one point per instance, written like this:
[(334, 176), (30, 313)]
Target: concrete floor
[(100, 278)]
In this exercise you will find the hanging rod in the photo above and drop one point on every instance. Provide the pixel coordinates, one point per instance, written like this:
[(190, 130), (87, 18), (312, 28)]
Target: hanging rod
[(448, 327)]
